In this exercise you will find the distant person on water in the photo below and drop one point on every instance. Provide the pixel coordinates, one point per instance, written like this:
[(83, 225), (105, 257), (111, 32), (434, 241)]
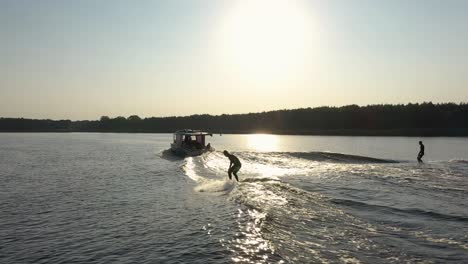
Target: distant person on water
[(421, 151), (234, 166)]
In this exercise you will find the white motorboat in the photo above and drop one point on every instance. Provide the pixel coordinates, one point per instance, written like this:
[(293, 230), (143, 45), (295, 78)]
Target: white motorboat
[(190, 142)]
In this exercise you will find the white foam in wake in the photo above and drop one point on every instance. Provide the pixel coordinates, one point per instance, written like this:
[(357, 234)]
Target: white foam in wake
[(215, 186)]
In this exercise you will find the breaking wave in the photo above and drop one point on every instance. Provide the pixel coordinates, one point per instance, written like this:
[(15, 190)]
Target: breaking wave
[(462, 161), (215, 186)]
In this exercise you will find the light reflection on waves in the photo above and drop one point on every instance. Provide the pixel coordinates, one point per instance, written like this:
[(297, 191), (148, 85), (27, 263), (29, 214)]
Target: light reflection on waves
[(207, 181), (278, 220), (248, 245), (274, 164), (304, 227), (214, 165)]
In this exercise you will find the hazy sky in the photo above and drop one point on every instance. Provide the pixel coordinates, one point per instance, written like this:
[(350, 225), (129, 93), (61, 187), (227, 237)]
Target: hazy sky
[(84, 59)]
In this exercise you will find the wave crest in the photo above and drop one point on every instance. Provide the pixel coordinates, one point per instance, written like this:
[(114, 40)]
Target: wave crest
[(337, 157)]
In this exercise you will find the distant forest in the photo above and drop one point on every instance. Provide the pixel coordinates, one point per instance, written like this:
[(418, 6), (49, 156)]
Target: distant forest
[(426, 119)]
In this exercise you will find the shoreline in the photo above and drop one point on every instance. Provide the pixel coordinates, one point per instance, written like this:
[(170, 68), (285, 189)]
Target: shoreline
[(423, 132)]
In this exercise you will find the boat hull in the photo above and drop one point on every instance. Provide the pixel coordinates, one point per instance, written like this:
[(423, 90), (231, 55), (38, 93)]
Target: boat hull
[(185, 152)]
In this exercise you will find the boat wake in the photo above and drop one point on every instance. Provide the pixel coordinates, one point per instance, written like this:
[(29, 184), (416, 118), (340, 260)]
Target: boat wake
[(168, 155), (284, 219), (215, 186), (461, 161), (337, 157)]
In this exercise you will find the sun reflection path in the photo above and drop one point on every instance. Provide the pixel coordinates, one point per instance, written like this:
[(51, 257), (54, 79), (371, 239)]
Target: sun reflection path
[(262, 142), (248, 245)]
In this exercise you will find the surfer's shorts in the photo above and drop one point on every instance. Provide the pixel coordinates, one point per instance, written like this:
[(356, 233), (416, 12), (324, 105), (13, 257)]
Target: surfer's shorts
[(235, 168)]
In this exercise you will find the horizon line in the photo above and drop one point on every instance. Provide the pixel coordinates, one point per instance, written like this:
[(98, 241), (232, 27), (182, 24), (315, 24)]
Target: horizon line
[(245, 113)]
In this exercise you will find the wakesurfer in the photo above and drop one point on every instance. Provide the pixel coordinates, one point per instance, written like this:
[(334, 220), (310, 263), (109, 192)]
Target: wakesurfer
[(421, 151), (234, 166)]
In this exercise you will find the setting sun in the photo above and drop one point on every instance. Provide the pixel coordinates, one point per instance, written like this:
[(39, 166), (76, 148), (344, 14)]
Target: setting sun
[(264, 38)]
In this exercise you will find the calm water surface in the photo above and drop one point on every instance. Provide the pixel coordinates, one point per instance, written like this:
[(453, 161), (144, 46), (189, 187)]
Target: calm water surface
[(122, 198)]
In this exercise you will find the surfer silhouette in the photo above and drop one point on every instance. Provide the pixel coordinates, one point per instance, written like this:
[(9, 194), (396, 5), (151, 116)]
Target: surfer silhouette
[(234, 166), (421, 151)]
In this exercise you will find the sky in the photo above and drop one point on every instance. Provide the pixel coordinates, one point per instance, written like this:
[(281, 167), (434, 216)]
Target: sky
[(85, 59)]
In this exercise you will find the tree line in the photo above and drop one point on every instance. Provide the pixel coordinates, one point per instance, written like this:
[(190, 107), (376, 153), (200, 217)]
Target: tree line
[(425, 119)]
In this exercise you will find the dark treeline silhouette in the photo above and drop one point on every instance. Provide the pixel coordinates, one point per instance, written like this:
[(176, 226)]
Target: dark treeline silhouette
[(426, 119)]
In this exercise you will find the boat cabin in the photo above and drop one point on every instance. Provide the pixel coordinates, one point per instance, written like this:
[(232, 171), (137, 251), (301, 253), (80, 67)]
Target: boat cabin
[(190, 142)]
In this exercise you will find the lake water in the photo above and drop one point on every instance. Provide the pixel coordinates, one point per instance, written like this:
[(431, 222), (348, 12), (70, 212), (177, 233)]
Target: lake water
[(121, 198)]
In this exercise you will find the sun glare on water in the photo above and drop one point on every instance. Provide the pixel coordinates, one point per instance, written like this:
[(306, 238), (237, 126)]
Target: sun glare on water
[(266, 37), (262, 142)]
